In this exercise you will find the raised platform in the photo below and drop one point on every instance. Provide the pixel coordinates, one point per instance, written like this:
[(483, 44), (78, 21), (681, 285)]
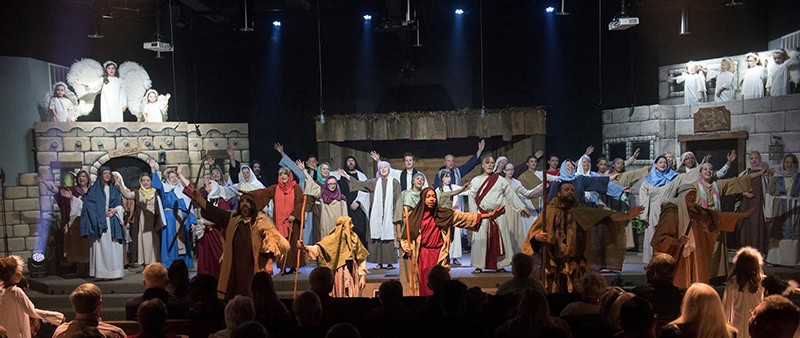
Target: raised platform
[(52, 292)]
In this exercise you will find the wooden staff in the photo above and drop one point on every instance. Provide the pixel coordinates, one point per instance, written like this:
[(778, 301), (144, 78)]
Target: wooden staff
[(302, 223), (411, 255), (178, 217)]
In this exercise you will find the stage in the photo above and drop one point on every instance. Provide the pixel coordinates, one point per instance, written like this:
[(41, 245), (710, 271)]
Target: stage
[(51, 293)]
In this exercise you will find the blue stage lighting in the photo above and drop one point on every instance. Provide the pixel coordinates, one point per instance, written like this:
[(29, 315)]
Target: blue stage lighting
[(549, 9), (276, 23), (367, 17), (459, 11)]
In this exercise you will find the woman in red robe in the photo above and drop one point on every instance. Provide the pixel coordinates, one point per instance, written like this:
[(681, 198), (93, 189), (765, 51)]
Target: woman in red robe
[(430, 228)]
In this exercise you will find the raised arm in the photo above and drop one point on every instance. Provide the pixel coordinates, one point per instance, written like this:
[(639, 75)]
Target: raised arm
[(184, 180), (287, 162), (233, 168), (50, 186), (313, 190), (631, 160), (356, 185), (474, 160)]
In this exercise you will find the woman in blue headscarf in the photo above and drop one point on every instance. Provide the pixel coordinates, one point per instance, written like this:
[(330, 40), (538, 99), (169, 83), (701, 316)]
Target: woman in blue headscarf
[(661, 184), (599, 184), (176, 205), (101, 223)]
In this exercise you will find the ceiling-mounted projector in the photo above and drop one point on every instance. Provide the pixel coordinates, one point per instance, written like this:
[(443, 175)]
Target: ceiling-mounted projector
[(623, 23), (158, 46)]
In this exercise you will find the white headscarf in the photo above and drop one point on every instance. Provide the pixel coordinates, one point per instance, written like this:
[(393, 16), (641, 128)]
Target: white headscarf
[(177, 189), (497, 163), (579, 166), (216, 191), (382, 213), (683, 158), (252, 184)]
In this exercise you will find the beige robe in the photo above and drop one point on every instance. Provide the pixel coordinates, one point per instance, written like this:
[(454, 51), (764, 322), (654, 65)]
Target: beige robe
[(328, 212)]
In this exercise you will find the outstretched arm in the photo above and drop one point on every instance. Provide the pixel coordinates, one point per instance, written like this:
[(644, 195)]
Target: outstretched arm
[(631, 160), (47, 184), (287, 162), (184, 180), (233, 168), (620, 217)]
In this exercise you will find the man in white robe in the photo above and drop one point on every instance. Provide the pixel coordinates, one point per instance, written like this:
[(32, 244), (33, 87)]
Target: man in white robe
[(492, 245), (405, 176)]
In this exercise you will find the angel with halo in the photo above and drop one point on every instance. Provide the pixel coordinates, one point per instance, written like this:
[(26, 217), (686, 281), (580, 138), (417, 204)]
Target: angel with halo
[(154, 106), (120, 88), (59, 104)]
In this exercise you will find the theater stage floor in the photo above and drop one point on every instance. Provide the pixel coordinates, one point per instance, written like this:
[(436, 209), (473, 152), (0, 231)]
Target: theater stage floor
[(52, 292)]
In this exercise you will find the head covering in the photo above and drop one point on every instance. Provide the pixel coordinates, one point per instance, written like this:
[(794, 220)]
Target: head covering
[(683, 158), (418, 174), (442, 172), (259, 198), (319, 178), (109, 62), (216, 191), (354, 160), (442, 217), (93, 215), (177, 188), (252, 184), (147, 93), (382, 164), (657, 178), (341, 245), (497, 163), (786, 173), (579, 167), (146, 193), (564, 175), (289, 185), (329, 196)]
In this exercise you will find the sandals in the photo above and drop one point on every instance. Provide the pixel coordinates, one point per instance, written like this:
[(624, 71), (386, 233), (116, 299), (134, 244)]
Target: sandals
[(476, 271)]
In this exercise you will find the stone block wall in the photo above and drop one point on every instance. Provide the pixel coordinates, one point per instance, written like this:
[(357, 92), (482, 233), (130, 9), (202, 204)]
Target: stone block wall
[(760, 118), (92, 144)]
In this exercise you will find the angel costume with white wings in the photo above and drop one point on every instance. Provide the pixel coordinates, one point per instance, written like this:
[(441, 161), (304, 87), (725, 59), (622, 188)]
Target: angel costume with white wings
[(56, 108), (86, 76), (155, 111)]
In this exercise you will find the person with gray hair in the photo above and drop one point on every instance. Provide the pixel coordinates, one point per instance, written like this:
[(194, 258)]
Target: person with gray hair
[(240, 309)]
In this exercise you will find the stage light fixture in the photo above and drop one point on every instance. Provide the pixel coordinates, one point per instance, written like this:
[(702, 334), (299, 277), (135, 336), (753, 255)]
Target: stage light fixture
[(367, 17), (37, 265), (459, 11), (276, 23), (734, 3), (550, 9)]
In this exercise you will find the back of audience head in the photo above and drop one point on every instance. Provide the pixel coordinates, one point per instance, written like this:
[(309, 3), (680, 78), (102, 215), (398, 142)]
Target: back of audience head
[(152, 316), (775, 317), (10, 270), (437, 276), (390, 293), (343, 330), (453, 298), (203, 289), (661, 269), (86, 299), (607, 300), (155, 276), (239, 310), (178, 276), (534, 308), (321, 280), (637, 318), (701, 312), (592, 285), (307, 309), (521, 265), (250, 329), (614, 313)]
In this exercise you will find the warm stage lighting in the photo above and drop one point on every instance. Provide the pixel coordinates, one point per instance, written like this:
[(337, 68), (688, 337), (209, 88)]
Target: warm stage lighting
[(367, 17), (459, 11), (549, 9), (276, 23)]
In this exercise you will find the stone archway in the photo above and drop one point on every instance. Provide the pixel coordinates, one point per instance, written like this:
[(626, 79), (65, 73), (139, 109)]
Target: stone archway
[(130, 166)]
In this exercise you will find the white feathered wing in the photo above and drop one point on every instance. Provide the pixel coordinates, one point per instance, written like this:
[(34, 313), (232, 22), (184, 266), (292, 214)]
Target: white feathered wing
[(87, 71), (135, 82), (44, 105)]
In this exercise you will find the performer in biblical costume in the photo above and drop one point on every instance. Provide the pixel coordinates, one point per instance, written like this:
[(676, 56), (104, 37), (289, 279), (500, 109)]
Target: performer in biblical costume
[(492, 245), (778, 74), (405, 176), (694, 83), (726, 81), (411, 197), (563, 238), (449, 197), (458, 172), (147, 220), (208, 236), (583, 184), (101, 223), (784, 238), (516, 226), (176, 238), (430, 227), (113, 100), (709, 194), (689, 233), (332, 203), (358, 201), (385, 194), (343, 253), (252, 243), (660, 185), (314, 228), (754, 231), (753, 78), (287, 198), (69, 198), (59, 104), (154, 106)]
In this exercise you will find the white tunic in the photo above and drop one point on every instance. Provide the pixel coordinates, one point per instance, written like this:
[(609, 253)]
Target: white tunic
[(17, 311), (455, 246), (725, 80), (152, 112), (62, 108), (738, 304), (778, 80), (112, 99), (106, 255), (500, 194), (694, 84), (753, 82)]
